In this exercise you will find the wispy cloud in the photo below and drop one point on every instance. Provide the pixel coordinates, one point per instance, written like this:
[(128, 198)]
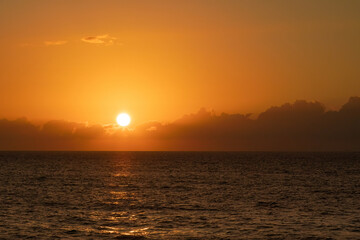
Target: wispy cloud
[(55, 43), (100, 39), (104, 40)]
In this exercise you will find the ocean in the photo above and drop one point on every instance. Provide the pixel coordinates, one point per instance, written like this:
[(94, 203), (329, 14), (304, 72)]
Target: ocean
[(179, 195)]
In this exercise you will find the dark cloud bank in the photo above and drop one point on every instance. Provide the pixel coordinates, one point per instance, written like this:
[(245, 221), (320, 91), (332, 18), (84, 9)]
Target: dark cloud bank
[(300, 126)]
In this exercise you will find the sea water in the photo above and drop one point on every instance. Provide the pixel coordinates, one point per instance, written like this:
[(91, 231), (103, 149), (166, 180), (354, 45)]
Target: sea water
[(179, 195)]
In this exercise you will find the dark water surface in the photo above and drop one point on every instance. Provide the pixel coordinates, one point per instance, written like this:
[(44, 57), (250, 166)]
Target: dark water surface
[(179, 195)]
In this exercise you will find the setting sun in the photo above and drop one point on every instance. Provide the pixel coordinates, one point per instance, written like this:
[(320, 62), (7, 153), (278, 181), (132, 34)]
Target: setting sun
[(123, 119)]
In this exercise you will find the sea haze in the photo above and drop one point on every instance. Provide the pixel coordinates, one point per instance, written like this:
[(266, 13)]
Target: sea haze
[(179, 195)]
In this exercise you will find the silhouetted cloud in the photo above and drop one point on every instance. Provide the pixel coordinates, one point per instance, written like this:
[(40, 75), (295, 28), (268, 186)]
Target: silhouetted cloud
[(55, 43), (294, 126), (100, 39)]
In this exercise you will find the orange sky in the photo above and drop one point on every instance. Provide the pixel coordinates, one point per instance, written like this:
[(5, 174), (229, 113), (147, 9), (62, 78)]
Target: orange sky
[(86, 60)]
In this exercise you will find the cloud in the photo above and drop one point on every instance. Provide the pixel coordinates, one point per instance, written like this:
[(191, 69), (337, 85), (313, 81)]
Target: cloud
[(298, 126), (105, 40), (100, 39), (55, 43)]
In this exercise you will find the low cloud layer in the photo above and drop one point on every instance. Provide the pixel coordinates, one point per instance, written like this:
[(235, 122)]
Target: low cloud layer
[(295, 126)]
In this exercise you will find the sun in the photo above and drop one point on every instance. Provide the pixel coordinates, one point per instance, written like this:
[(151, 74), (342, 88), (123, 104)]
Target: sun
[(123, 119)]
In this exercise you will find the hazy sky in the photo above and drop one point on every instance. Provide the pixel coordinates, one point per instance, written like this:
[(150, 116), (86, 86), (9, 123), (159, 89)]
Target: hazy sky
[(89, 60)]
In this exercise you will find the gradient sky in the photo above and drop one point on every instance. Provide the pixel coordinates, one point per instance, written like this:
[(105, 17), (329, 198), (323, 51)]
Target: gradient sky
[(87, 60)]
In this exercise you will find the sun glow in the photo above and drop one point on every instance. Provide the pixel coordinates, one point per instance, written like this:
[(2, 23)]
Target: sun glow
[(123, 119)]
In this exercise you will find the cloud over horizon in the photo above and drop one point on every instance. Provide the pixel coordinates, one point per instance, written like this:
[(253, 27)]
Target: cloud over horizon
[(298, 126)]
